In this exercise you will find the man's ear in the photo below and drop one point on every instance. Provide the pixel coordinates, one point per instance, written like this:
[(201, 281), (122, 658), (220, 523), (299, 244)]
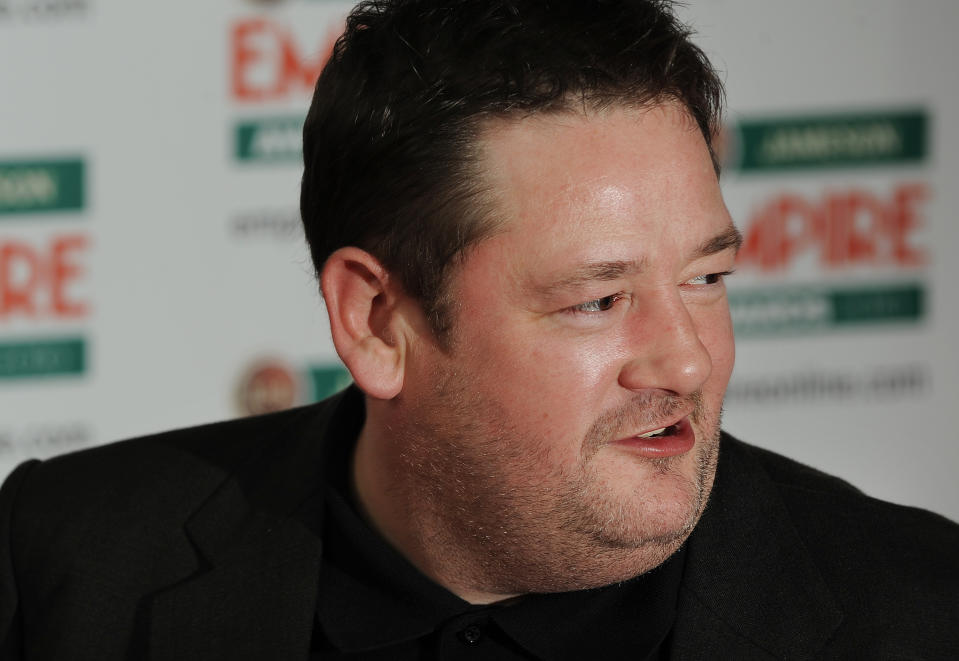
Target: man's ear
[(363, 302)]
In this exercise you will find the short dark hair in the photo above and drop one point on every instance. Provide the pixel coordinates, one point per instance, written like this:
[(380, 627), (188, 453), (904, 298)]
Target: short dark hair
[(391, 139)]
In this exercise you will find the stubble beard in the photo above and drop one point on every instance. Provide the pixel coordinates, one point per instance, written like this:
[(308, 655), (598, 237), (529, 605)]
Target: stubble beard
[(612, 522), (505, 518)]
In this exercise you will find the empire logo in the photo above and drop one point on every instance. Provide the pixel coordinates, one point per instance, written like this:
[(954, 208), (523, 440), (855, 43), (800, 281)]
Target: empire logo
[(268, 64), (38, 281), (847, 228), (840, 230), (41, 280)]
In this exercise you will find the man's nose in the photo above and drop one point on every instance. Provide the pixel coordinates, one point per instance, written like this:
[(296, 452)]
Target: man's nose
[(668, 353)]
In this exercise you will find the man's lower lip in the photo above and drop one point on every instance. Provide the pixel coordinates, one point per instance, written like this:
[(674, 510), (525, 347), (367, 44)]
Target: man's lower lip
[(671, 445)]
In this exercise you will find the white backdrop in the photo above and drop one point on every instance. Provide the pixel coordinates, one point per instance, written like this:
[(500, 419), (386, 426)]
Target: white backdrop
[(152, 272)]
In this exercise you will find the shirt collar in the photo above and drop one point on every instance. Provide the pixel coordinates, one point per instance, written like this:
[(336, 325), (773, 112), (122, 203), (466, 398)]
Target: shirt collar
[(627, 620), (370, 596)]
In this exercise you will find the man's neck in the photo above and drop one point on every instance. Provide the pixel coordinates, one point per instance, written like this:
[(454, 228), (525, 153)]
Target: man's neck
[(394, 507)]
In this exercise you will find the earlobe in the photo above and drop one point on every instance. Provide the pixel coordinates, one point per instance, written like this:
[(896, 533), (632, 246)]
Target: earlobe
[(362, 303)]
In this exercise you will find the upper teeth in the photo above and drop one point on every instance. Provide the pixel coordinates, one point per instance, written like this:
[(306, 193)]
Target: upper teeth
[(652, 433)]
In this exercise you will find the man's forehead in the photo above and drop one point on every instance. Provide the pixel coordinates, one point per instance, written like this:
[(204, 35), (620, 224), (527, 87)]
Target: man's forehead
[(575, 168), (584, 151)]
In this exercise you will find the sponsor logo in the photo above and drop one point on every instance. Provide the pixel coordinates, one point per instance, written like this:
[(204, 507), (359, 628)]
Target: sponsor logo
[(874, 383), (328, 380), (843, 228), (43, 439), (832, 141), (818, 308), (269, 64), (836, 232), (40, 280), (41, 358), (41, 186), (273, 385), (276, 224), (42, 9), (267, 386), (274, 139)]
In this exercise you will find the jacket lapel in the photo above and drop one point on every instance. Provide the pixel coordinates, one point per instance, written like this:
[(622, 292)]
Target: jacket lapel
[(259, 549), (257, 603), (750, 588)]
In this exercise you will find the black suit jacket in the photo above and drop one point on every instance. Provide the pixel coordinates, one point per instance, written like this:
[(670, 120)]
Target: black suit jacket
[(204, 543)]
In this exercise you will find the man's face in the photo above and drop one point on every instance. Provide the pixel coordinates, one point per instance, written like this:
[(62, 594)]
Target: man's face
[(596, 315)]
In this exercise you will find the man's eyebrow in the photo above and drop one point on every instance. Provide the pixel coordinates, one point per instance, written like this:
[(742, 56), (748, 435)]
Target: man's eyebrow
[(589, 272), (605, 271), (728, 238)]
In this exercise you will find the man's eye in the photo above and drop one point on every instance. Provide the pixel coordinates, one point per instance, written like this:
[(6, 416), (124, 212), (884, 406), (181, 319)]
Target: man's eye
[(597, 305), (708, 278)]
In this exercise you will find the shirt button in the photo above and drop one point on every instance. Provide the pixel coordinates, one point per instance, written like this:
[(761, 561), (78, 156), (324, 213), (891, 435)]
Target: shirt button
[(471, 635)]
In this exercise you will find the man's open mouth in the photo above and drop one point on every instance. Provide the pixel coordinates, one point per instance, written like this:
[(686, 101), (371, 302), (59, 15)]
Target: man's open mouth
[(667, 441), (658, 433)]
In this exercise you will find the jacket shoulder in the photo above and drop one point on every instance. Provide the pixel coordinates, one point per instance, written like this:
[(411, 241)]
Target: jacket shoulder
[(833, 499), (893, 568), (166, 465), (125, 501)]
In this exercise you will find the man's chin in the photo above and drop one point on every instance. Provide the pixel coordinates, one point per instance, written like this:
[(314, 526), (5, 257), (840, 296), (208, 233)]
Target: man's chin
[(655, 526), (660, 500)]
